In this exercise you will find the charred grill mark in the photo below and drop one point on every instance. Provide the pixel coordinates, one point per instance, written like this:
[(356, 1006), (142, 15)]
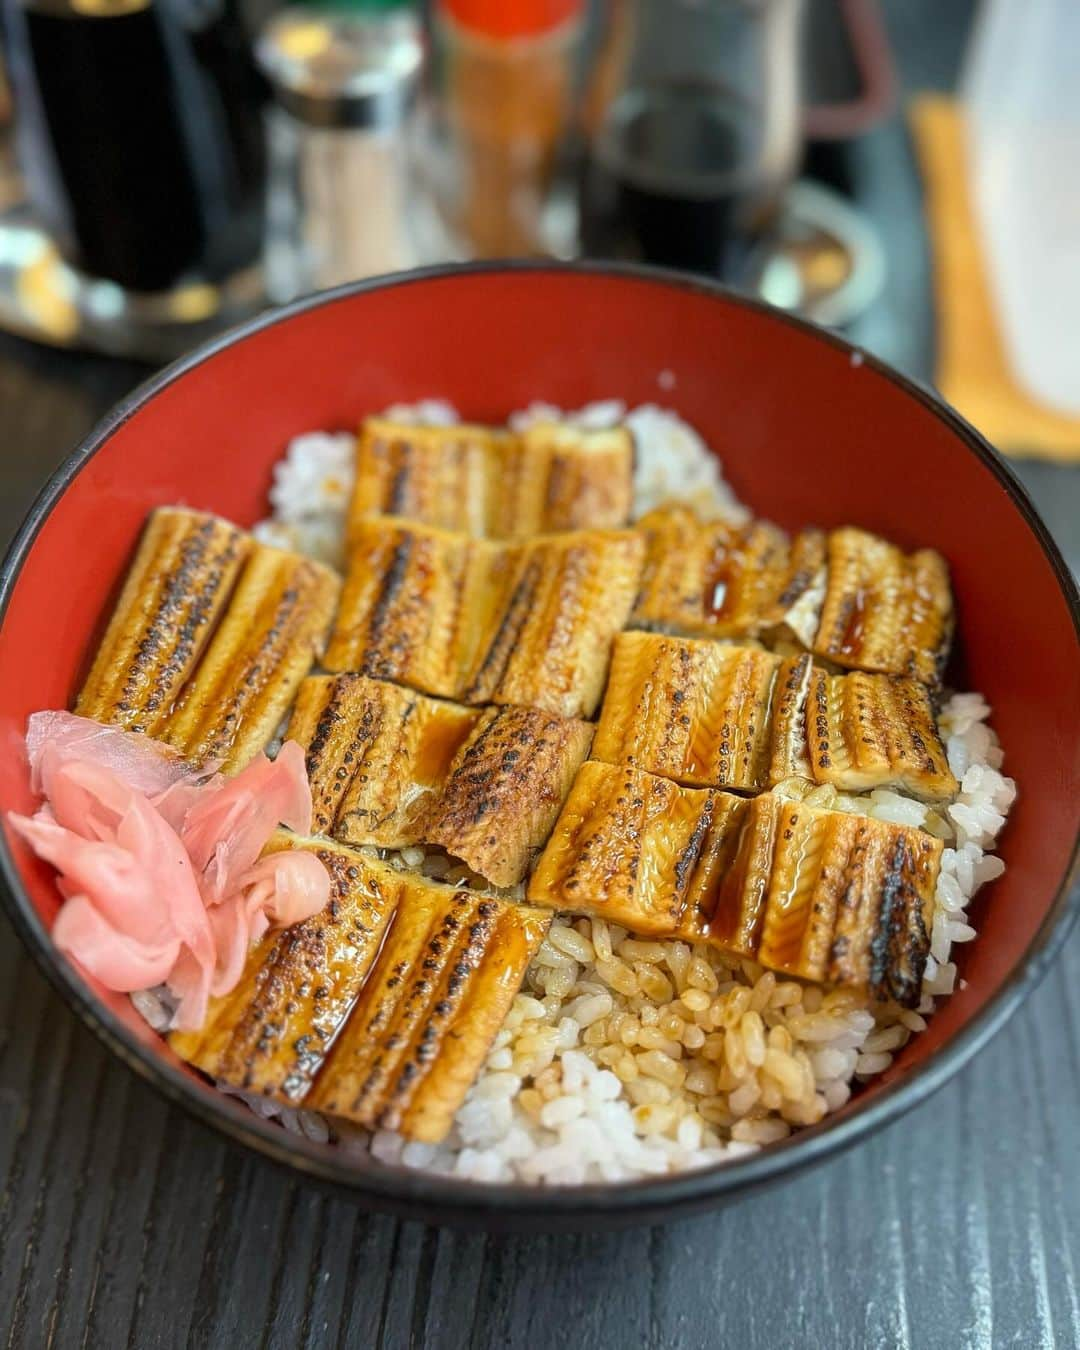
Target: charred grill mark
[(561, 481), (819, 697), (440, 1012), (900, 945), (398, 497), (508, 632), (688, 858), (329, 719), (178, 587), (787, 715), (257, 667), (798, 582), (807, 556), (389, 588), (917, 717)]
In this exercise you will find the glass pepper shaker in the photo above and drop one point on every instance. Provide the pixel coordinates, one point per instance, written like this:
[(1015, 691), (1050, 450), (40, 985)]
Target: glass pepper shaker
[(502, 92), (339, 133)]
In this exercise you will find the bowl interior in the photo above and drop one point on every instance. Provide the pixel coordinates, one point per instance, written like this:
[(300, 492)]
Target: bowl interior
[(808, 433)]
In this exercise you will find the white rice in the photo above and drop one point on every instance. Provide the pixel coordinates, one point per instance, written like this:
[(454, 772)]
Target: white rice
[(310, 496), (621, 1058)]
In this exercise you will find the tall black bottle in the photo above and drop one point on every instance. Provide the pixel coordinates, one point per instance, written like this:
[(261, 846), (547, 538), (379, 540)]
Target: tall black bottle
[(138, 127)]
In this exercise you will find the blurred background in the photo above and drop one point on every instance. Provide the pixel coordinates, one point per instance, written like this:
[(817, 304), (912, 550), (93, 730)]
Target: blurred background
[(904, 171)]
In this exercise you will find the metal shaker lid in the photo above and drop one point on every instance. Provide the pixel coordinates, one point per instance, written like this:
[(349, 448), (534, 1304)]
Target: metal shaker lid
[(342, 67)]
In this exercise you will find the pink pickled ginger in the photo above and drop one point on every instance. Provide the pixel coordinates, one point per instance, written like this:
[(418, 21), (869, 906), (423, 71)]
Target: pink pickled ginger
[(160, 863), (52, 738)]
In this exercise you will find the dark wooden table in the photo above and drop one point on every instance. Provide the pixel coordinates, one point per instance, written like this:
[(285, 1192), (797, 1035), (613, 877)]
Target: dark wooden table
[(124, 1224)]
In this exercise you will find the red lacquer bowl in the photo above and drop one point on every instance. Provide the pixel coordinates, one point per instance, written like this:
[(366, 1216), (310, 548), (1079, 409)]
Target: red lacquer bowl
[(810, 431)]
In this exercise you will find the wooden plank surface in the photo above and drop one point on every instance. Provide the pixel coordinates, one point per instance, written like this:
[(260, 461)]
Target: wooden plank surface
[(122, 1223)]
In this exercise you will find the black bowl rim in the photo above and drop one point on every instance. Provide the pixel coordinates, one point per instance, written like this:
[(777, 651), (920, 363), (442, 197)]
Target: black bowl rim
[(433, 1198)]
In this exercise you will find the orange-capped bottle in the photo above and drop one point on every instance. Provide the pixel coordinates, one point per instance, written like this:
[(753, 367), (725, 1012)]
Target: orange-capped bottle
[(503, 81)]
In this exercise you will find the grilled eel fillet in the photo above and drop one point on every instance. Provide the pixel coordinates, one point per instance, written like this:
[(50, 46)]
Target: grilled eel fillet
[(848, 596), (818, 894), (857, 731), (391, 767), (560, 477), (712, 715), (272, 631), (493, 484), (175, 591), (711, 579), (694, 711), (443, 983), (435, 475), (272, 1032), (832, 897), (375, 753), (529, 623), (416, 605), (567, 597), (636, 849), (885, 610), (505, 789)]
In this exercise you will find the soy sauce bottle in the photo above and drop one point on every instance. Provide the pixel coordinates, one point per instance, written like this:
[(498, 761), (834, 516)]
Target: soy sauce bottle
[(138, 126)]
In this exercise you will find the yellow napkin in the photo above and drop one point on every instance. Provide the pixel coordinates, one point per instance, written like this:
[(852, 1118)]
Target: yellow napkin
[(973, 372)]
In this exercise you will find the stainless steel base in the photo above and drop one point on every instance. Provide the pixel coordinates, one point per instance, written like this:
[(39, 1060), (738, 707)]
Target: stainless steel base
[(825, 262), (42, 298)]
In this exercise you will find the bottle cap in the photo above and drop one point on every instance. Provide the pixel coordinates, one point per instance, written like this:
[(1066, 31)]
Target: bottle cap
[(509, 19), (355, 6), (342, 66)]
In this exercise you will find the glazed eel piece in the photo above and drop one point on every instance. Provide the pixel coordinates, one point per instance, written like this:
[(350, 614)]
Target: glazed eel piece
[(858, 731), (394, 768), (823, 895), (443, 983), (885, 610), (490, 483), (381, 1008), (209, 639), (527, 623), (271, 1034), (271, 633), (694, 711), (829, 896), (176, 589), (848, 596), (711, 579), (710, 714), (375, 754)]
